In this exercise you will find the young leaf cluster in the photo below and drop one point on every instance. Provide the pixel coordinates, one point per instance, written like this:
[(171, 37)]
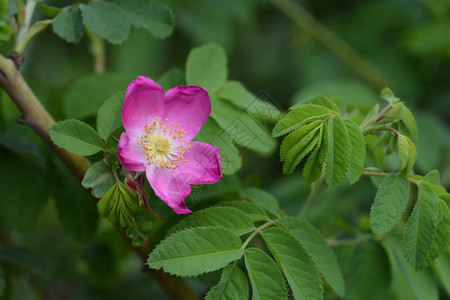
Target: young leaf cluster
[(330, 145)]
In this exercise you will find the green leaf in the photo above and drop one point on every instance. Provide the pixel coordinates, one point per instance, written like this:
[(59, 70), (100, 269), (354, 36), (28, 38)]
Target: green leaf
[(155, 18), (108, 117), (408, 122), (369, 273), (302, 143), (433, 177), (76, 136), (233, 285), (421, 284), (421, 227), (442, 269), (100, 178), (388, 95), (407, 152), (299, 116), (69, 26), (76, 209), (441, 240), (24, 189), (254, 211), (106, 20), (370, 117), (265, 277), (322, 101), (262, 198), (195, 251), (338, 156), (357, 150), (314, 165), (241, 128), (316, 246), (172, 78), (225, 217), (87, 94), (212, 134), (206, 66), (296, 264), (390, 202), (236, 93)]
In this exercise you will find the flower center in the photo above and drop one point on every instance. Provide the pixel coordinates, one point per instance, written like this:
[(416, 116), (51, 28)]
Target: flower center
[(163, 144)]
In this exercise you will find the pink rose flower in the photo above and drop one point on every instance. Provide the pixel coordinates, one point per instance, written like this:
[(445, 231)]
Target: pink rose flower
[(159, 128)]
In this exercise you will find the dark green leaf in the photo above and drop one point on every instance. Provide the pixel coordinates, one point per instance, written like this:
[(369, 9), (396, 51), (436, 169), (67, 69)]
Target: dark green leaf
[(296, 264), (195, 251), (389, 204), (321, 253), (226, 217), (108, 116), (154, 17), (233, 285), (76, 136), (106, 20), (421, 227), (357, 150), (100, 178), (265, 277), (69, 26), (369, 273), (262, 198), (338, 156), (442, 269)]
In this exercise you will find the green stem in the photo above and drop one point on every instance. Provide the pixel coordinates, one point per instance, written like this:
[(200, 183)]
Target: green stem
[(329, 39), (256, 231), (98, 52), (315, 187), (385, 174)]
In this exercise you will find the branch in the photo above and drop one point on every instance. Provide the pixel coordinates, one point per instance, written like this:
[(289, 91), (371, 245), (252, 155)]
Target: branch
[(37, 117), (329, 39)]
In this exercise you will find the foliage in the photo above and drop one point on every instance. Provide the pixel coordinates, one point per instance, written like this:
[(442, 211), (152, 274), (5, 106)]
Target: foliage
[(261, 231)]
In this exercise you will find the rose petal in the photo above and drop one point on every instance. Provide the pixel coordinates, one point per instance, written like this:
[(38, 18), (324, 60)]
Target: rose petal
[(202, 164), (144, 100), (169, 188), (189, 107), (130, 154)]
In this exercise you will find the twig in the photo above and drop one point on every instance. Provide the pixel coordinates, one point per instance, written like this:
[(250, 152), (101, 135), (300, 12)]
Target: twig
[(315, 187), (256, 231), (384, 174), (329, 39)]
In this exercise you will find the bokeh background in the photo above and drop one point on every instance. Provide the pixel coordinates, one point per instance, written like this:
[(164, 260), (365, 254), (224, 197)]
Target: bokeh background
[(406, 41)]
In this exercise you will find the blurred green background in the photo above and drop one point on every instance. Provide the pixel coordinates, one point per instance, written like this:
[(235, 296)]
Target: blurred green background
[(408, 42)]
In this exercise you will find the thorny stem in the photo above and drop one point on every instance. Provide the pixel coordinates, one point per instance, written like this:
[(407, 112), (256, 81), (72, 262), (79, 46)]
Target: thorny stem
[(334, 43), (384, 174), (37, 117), (256, 231)]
